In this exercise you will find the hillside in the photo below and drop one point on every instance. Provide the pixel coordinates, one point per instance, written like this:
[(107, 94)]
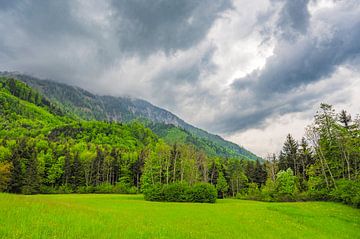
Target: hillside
[(44, 149), (86, 105)]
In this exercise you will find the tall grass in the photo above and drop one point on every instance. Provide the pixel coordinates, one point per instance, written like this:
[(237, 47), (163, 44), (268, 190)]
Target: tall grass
[(129, 216)]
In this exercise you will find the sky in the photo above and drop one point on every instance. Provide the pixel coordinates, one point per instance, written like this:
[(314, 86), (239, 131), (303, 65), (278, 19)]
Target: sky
[(251, 71)]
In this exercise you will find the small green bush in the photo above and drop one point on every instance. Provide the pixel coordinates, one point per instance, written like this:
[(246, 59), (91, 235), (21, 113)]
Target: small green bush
[(64, 189), (253, 192), (176, 192), (285, 186), (154, 192), (347, 191), (47, 189), (268, 191), (203, 192), (104, 188), (28, 190), (124, 188), (86, 189), (317, 189), (181, 192)]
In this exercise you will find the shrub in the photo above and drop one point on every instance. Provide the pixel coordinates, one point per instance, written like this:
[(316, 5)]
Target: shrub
[(27, 190), (104, 188), (347, 191), (5, 174), (268, 191), (203, 192), (86, 189), (176, 192), (133, 190), (253, 192), (154, 192), (181, 192), (64, 189), (285, 185), (47, 189), (242, 194), (317, 189), (124, 188)]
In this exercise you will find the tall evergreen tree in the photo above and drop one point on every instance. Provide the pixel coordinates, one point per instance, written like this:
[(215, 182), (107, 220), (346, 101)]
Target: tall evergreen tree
[(289, 155), (260, 174)]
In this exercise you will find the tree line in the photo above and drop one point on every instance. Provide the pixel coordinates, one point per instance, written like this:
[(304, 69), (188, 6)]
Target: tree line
[(42, 151), (323, 165)]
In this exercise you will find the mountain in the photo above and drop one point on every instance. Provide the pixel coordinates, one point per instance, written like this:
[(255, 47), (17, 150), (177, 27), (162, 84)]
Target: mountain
[(85, 105)]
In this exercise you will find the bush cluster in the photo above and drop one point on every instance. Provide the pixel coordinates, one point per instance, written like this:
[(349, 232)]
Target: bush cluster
[(104, 188), (347, 191), (181, 192), (285, 188)]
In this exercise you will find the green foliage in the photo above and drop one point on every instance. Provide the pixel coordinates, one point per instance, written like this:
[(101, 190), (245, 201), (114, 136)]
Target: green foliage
[(47, 148), (285, 185), (5, 175), (253, 192), (347, 191), (177, 192), (212, 145), (268, 191), (81, 104), (154, 192), (221, 185), (203, 192), (181, 192)]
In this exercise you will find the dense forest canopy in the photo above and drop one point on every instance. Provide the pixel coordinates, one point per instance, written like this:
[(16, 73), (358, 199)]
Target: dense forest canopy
[(84, 105), (44, 149)]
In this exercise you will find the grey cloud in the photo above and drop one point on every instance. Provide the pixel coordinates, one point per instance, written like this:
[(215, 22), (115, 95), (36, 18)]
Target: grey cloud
[(254, 112), (149, 26), (187, 74), (295, 64), (294, 18), (52, 39)]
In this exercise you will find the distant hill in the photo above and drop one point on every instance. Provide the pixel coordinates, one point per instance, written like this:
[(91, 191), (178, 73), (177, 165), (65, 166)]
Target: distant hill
[(85, 105)]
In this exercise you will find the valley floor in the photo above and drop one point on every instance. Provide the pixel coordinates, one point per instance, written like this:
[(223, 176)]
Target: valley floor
[(129, 216)]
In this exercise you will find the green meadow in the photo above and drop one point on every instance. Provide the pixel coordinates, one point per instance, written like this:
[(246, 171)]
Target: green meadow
[(129, 216)]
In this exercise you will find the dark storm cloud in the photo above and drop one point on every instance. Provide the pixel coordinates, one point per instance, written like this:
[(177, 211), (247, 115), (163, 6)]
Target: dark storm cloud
[(162, 25), (295, 64), (308, 60), (54, 39), (294, 17)]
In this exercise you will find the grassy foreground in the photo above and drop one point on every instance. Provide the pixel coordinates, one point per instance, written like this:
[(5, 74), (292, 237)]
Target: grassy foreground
[(129, 216)]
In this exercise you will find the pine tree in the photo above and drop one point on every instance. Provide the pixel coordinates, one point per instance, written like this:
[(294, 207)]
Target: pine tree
[(260, 174), (31, 177), (288, 157), (67, 168), (77, 172), (345, 118), (16, 177)]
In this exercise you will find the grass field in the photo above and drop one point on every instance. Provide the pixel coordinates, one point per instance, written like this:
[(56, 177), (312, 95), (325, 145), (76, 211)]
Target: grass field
[(129, 216)]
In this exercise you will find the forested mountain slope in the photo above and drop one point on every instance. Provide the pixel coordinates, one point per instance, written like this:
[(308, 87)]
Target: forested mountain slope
[(85, 105), (44, 149)]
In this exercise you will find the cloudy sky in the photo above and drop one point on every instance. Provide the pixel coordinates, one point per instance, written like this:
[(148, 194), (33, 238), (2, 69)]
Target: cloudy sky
[(249, 70)]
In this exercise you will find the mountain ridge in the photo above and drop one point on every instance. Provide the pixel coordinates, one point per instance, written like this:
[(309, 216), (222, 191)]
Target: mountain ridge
[(89, 106)]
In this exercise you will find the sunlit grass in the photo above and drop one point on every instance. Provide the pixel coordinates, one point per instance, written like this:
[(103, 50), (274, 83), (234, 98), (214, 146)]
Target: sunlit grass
[(129, 216)]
